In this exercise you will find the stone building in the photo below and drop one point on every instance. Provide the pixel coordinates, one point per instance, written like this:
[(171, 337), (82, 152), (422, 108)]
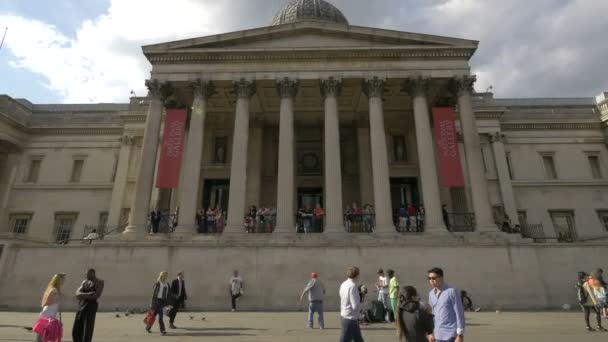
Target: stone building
[(308, 110)]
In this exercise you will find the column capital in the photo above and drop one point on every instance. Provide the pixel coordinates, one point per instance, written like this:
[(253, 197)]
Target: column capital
[(287, 87), (417, 86), (464, 84), (127, 140), (374, 87), (159, 90), (331, 87), (244, 89), (202, 89), (497, 137)]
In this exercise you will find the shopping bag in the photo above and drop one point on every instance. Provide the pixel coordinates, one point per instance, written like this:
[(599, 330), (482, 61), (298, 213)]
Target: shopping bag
[(150, 318)]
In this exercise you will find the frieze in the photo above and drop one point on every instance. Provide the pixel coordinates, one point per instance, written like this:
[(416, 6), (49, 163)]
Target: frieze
[(550, 126), (75, 131)]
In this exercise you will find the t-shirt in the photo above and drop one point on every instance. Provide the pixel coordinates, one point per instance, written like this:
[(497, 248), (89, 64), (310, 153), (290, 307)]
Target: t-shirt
[(236, 283), (383, 281), (393, 287)]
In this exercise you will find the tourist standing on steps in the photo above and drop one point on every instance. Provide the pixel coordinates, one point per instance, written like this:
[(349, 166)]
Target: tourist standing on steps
[(48, 327), (414, 324), (447, 310), (393, 290), (316, 292), (350, 307), (87, 294), (178, 292), (382, 286), (160, 294), (236, 288)]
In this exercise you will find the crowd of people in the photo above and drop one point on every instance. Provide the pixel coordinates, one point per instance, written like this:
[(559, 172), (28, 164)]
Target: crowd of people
[(591, 292), (360, 220), (410, 219), (260, 220)]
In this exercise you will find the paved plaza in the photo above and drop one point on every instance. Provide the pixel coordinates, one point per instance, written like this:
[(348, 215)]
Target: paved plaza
[(287, 327)]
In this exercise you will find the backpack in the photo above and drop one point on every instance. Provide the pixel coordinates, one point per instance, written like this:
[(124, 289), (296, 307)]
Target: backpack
[(377, 312), (581, 293)]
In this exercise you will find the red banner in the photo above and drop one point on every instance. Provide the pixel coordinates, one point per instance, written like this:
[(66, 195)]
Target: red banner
[(171, 149), (450, 169)]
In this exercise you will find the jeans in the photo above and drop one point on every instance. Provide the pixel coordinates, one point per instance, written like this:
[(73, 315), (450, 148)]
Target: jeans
[(158, 310), (234, 298), (318, 308), (450, 340), (587, 310), (386, 302), (350, 331)]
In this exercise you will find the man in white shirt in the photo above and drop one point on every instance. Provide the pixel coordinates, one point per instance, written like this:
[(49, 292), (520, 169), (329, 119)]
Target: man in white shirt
[(350, 307), (236, 288), (382, 286)]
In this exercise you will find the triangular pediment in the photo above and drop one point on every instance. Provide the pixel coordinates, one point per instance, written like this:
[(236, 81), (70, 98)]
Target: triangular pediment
[(309, 36)]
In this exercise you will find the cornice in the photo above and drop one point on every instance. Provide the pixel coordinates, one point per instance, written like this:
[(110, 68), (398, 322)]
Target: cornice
[(558, 183), (64, 186), (134, 118), (231, 56), (488, 115), (550, 126), (75, 130)]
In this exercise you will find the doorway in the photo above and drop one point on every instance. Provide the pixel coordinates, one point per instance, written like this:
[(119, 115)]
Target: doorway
[(404, 191), (310, 197), (216, 193)]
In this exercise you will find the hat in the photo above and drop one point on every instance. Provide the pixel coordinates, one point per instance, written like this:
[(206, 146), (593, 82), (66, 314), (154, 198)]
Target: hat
[(313, 275)]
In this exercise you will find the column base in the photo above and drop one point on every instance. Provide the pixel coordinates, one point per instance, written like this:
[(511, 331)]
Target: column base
[(285, 229), (333, 229), (487, 228), (385, 228), (234, 229), (184, 231), (439, 229)]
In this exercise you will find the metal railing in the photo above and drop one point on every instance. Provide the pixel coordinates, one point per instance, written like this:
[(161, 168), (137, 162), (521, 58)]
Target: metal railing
[(460, 222), (360, 223), (101, 231), (309, 223), (165, 225), (260, 224), (409, 224), (213, 223)]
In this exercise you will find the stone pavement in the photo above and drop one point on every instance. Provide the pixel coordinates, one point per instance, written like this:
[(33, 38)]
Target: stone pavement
[(289, 327)]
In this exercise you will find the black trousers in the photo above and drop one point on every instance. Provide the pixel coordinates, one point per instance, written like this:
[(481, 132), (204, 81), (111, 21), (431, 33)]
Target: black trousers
[(234, 297), (84, 323), (179, 303), (587, 310)]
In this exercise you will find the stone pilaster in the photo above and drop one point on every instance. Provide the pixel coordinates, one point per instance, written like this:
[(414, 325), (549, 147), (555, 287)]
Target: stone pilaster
[(330, 91), (244, 90), (189, 194), (140, 207), (374, 89), (504, 178), (120, 180), (418, 89), (472, 146), (7, 180), (287, 90)]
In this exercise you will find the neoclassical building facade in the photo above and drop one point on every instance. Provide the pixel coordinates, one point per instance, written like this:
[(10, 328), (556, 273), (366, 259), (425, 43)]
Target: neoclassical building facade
[(308, 110)]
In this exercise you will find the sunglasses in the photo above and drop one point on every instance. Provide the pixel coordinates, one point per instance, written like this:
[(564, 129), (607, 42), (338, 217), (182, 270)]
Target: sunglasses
[(434, 278)]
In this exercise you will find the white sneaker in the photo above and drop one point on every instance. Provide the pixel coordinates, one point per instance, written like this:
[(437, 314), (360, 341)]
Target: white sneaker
[(233, 310)]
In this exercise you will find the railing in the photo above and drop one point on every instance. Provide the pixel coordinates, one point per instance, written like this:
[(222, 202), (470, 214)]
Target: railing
[(102, 232), (309, 223), (166, 224), (211, 224), (460, 222), (360, 223), (260, 224), (534, 232), (409, 224)]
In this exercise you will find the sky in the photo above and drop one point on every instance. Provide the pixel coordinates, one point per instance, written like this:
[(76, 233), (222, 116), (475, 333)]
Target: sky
[(89, 51)]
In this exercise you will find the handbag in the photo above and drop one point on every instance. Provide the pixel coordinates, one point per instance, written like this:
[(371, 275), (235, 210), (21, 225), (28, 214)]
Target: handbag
[(150, 318)]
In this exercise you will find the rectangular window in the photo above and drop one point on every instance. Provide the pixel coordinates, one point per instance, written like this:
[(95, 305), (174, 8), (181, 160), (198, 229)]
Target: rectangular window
[(563, 223), (114, 169), (549, 166), (509, 164), (20, 222), (603, 215), (219, 150), (399, 148), (63, 226), (522, 215), (34, 171), (103, 219), (596, 170), (76, 170)]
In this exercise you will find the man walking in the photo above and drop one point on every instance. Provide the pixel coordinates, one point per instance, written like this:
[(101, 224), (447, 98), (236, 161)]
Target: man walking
[(447, 310), (316, 292), (393, 290), (236, 288), (87, 294), (350, 307), (178, 291), (382, 286)]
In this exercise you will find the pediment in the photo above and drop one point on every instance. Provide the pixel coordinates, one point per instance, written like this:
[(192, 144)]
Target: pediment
[(309, 36)]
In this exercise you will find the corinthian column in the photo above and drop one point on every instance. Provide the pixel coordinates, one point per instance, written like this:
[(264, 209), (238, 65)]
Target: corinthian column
[(145, 175), (472, 147), (374, 89), (330, 90), (192, 161), (244, 90), (287, 89), (504, 179), (418, 88), (120, 180)]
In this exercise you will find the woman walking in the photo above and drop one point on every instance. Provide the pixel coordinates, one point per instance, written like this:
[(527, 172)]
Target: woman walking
[(587, 301), (159, 300), (414, 324), (48, 328)]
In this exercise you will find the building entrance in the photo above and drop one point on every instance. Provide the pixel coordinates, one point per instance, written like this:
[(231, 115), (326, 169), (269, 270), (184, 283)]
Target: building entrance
[(310, 197), (403, 192), (215, 194)]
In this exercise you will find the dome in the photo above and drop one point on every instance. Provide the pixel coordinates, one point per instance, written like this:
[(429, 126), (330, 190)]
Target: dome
[(298, 10)]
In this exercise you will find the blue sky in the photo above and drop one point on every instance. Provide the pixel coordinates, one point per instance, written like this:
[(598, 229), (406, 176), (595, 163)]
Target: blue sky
[(89, 50)]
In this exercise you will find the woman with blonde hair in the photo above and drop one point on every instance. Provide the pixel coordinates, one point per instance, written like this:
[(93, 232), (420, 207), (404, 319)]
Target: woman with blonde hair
[(160, 297), (48, 328)]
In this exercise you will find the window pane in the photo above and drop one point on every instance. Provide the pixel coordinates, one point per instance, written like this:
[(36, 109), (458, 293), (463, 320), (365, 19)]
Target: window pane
[(64, 228), (594, 162)]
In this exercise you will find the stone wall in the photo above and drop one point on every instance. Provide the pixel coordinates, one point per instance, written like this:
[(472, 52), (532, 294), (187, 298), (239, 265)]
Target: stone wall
[(509, 277)]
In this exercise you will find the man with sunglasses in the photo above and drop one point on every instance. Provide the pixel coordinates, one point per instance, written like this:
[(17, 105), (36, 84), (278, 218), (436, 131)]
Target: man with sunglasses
[(447, 310)]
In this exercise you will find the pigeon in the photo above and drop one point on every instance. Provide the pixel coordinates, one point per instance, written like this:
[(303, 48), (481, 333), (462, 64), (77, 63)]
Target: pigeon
[(117, 316), (192, 318)]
